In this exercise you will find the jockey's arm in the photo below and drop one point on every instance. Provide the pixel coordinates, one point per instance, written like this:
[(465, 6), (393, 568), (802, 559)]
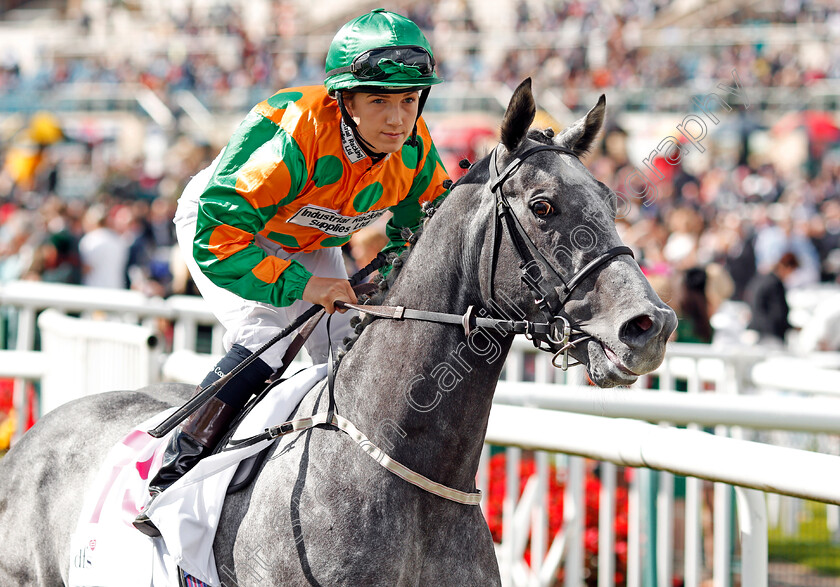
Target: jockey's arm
[(243, 194)]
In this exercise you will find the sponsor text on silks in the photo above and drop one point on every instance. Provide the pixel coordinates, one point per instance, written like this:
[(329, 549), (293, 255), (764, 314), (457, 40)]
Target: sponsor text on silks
[(331, 222)]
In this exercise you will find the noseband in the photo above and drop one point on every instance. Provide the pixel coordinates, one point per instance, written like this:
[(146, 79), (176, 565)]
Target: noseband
[(555, 334)]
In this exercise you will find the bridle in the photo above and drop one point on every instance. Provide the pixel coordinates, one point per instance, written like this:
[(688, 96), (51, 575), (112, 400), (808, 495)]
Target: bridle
[(553, 335)]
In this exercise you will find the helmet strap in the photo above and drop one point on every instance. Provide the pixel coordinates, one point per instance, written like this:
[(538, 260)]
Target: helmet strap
[(424, 95), (345, 115)]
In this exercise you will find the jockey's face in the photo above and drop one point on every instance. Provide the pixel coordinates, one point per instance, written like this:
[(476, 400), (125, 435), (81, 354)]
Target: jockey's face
[(384, 120)]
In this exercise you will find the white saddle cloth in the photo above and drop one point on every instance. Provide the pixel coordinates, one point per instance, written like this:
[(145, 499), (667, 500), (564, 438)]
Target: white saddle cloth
[(106, 550)]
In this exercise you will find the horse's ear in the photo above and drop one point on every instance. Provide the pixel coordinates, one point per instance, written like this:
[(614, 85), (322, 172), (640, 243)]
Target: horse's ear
[(580, 136), (520, 114)]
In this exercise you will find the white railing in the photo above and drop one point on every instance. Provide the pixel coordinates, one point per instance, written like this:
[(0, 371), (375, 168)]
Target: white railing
[(23, 301), (757, 412), (727, 372), (638, 444), (732, 373), (92, 356), (28, 298), (796, 374), (747, 465)]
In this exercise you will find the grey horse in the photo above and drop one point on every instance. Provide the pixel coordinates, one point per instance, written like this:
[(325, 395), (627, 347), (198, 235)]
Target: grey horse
[(321, 511)]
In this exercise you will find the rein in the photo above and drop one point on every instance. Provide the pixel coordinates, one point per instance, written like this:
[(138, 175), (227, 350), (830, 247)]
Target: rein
[(203, 395), (553, 334), (469, 320)]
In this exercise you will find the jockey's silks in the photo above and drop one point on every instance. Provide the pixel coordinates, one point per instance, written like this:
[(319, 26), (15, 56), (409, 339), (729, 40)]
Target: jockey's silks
[(294, 173)]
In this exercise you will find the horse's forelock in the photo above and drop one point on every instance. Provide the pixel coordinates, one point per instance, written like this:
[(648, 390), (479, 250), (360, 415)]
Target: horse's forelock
[(542, 136)]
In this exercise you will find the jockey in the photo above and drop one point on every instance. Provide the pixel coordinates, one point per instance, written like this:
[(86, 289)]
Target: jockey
[(261, 228)]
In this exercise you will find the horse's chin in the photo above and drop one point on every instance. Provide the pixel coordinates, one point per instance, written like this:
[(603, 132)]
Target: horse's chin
[(604, 367)]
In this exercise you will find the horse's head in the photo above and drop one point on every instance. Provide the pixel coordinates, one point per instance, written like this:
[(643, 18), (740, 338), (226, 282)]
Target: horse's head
[(575, 260)]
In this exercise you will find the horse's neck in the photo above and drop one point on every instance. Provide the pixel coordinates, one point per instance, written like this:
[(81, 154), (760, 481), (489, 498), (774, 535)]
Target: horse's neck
[(422, 391)]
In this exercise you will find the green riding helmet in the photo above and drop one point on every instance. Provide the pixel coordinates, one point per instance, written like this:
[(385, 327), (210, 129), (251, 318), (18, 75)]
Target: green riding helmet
[(380, 49)]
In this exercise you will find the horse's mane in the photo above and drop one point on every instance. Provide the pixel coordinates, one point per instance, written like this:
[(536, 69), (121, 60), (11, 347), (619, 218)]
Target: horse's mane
[(477, 174), (385, 283), (544, 136), (479, 171)]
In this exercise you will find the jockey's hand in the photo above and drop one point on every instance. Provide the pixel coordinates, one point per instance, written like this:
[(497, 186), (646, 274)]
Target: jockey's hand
[(325, 291)]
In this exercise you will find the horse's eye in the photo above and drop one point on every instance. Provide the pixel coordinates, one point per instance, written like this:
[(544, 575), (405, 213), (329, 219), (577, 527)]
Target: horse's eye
[(542, 208)]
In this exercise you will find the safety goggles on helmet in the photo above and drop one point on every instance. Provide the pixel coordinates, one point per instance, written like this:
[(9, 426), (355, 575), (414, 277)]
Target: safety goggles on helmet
[(383, 62)]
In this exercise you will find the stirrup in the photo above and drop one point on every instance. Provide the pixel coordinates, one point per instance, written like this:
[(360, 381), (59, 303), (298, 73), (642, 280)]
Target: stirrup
[(145, 525)]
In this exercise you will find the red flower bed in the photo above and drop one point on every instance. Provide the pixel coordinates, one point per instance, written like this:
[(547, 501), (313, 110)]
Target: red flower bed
[(7, 387), (556, 487)]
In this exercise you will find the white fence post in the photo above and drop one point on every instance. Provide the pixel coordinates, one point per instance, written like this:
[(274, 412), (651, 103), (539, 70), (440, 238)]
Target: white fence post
[(752, 519), (606, 530), (665, 502), (722, 542), (693, 504), (512, 458), (539, 518), (665, 529), (25, 342), (634, 532), (574, 516), (832, 520)]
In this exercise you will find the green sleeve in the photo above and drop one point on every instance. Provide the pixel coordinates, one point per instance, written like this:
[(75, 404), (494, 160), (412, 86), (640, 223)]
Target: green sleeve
[(261, 169)]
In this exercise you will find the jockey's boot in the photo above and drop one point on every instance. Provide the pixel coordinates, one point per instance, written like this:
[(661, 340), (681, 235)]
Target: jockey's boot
[(199, 434)]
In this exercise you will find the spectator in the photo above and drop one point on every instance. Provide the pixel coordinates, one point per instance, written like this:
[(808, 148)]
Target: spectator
[(686, 226), (692, 308), (738, 253), (768, 304), (720, 287), (824, 232), (104, 253), (781, 236), (57, 260), (18, 243)]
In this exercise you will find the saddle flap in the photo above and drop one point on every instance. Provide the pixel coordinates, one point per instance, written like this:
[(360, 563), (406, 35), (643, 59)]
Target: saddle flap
[(247, 471)]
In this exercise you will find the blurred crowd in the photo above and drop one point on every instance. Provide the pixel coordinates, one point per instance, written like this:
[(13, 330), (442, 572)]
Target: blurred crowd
[(110, 243), (721, 234), (570, 45), (708, 237), (625, 62)]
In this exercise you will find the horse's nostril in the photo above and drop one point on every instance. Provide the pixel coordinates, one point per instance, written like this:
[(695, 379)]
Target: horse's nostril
[(643, 323), (634, 331)]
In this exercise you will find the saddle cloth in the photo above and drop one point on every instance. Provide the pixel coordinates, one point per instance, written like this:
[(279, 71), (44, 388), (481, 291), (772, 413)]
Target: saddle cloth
[(106, 550)]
